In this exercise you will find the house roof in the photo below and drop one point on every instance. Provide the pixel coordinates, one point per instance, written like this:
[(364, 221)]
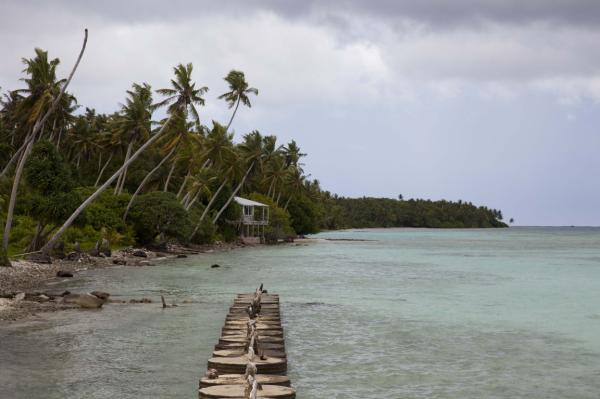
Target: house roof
[(247, 202)]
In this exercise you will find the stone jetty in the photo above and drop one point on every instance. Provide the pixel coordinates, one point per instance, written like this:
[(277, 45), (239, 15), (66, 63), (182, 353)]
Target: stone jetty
[(249, 360)]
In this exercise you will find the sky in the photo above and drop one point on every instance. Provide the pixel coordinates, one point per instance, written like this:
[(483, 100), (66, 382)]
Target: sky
[(493, 102)]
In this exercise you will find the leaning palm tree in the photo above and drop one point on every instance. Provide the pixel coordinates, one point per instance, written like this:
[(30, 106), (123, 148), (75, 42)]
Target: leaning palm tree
[(239, 91), (183, 97), (29, 140)]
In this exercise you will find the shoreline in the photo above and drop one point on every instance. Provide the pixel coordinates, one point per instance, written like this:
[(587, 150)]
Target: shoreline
[(23, 287)]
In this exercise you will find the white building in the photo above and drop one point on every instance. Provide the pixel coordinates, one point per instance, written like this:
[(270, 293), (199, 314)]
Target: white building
[(255, 216)]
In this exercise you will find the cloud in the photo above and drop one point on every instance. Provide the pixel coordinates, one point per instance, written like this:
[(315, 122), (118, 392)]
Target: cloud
[(344, 52)]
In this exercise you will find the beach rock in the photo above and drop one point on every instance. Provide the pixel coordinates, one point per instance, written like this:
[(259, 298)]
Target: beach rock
[(100, 294), (89, 301), (145, 263), (19, 297), (214, 266), (140, 253), (43, 298), (119, 261), (180, 256), (62, 273), (73, 256)]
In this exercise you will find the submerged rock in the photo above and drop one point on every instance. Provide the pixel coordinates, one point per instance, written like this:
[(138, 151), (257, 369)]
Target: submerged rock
[(182, 256), (62, 273), (215, 266), (143, 300)]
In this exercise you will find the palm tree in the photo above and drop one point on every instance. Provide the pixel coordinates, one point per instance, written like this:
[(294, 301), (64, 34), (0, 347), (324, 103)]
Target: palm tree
[(182, 98), (83, 139), (292, 154), (295, 184), (239, 91), (133, 124), (37, 126), (252, 152), (220, 152)]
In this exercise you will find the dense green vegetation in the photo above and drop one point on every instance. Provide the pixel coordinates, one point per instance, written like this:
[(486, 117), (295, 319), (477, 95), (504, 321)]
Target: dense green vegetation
[(156, 170), (385, 212)]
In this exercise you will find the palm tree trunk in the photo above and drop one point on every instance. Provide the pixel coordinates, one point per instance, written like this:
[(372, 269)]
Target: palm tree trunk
[(233, 194), (52, 133), (169, 176), (15, 156), (50, 244), (36, 128), (183, 184), (145, 181), (185, 198), (237, 104), (121, 182), (207, 208), (287, 203), (58, 140), (278, 196), (270, 187), (189, 205), (13, 196), (102, 170)]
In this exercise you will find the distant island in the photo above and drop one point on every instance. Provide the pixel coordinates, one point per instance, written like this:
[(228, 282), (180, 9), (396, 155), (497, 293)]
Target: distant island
[(368, 212)]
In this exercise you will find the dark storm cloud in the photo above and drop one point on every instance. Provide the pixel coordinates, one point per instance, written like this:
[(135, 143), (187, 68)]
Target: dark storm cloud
[(441, 13)]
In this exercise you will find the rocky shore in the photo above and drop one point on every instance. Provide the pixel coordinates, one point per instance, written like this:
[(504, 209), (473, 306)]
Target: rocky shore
[(24, 287)]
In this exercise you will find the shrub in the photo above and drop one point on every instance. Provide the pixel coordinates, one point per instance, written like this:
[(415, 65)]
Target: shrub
[(159, 213)]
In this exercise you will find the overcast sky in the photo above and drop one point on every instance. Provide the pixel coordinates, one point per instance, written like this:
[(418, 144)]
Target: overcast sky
[(494, 102)]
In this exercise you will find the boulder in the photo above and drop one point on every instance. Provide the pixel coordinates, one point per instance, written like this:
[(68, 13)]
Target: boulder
[(100, 294), (182, 256), (89, 301), (62, 273), (140, 253), (119, 261), (214, 266)]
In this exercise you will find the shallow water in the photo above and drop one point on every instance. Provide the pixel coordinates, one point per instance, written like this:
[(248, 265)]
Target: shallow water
[(413, 313)]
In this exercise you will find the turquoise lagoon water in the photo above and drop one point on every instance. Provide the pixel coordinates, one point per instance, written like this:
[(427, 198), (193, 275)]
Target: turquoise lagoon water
[(408, 313)]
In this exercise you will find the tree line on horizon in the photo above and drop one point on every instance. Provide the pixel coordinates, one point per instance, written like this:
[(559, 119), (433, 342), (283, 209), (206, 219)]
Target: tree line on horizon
[(369, 212), (70, 174)]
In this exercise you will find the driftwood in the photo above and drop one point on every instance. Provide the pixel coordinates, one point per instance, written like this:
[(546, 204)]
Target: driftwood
[(165, 304)]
